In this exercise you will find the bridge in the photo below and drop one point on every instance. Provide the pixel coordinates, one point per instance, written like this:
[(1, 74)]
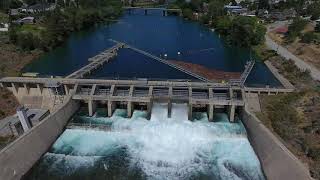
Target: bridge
[(164, 10), (97, 61)]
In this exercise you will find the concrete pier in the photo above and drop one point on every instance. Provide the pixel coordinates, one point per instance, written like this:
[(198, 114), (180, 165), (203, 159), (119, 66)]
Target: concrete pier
[(231, 112), (92, 105), (111, 108), (129, 109), (210, 112)]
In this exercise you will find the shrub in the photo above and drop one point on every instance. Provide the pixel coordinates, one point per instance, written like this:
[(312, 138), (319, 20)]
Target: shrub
[(296, 27), (308, 37)]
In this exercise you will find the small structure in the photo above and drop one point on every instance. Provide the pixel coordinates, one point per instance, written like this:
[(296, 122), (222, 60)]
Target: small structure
[(237, 10), (14, 12), (4, 27), (12, 125), (26, 20), (40, 7), (23, 118), (281, 30)]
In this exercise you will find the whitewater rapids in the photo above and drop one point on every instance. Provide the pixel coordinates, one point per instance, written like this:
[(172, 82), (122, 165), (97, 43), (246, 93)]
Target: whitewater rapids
[(161, 149)]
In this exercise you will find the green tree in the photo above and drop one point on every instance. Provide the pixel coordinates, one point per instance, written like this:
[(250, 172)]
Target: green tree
[(314, 10), (308, 37), (263, 4), (296, 27), (247, 31), (223, 25), (187, 13), (14, 4), (317, 28), (196, 5), (4, 4), (216, 9), (60, 3)]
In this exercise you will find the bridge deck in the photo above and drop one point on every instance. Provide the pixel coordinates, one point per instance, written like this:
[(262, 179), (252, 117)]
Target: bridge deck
[(96, 61)]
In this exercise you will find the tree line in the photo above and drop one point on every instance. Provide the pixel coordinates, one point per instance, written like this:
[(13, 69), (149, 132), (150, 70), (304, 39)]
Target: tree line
[(53, 27), (237, 30)]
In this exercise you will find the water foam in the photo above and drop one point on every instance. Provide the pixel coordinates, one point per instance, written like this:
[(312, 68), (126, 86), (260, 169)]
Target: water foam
[(167, 148)]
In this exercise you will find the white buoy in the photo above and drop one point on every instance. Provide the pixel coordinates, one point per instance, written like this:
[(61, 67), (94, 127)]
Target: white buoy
[(165, 55), (179, 53)]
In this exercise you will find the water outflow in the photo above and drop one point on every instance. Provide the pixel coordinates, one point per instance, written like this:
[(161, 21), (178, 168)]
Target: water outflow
[(162, 148)]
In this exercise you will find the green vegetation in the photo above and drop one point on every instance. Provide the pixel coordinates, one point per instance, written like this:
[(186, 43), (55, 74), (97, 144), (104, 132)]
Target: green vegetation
[(314, 10), (295, 116), (237, 30), (263, 52), (240, 30), (293, 74), (295, 28), (317, 28), (58, 24), (310, 37), (3, 17)]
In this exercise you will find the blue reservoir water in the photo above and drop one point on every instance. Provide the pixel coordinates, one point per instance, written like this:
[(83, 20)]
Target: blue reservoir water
[(158, 35), (160, 149)]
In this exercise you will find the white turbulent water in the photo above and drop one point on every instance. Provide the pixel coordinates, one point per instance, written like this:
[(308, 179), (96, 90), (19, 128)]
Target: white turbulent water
[(163, 148)]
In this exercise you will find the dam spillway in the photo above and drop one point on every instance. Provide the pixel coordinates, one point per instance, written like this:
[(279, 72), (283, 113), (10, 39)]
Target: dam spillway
[(159, 148)]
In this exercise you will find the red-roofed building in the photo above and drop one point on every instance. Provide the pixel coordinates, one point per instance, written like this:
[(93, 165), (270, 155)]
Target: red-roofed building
[(281, 30)]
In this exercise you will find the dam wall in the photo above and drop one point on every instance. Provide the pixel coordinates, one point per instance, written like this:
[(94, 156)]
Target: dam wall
[(18, 157), (277, 161)]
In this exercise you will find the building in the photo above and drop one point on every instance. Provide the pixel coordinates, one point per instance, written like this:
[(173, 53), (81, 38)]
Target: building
[(26, 20), (37, 8), (4, 27), (11, 126)]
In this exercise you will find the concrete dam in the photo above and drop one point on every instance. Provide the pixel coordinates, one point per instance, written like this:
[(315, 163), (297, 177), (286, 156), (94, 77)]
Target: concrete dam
[(64, 97)]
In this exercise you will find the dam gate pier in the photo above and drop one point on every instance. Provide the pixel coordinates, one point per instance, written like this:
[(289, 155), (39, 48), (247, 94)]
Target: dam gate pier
[(133, 94)]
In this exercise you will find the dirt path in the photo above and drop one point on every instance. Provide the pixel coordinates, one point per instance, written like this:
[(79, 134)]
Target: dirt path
[(282, 51)]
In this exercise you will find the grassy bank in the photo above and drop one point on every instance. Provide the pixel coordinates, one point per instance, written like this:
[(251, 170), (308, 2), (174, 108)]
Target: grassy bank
[(294, 117)]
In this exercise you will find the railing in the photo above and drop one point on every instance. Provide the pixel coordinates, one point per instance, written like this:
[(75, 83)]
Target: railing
[(96, 61)]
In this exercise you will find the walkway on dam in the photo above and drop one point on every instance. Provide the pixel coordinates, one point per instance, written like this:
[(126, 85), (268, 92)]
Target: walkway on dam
[(97, 61)]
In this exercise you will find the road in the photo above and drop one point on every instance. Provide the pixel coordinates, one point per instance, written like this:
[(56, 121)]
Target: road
[(284, 52)]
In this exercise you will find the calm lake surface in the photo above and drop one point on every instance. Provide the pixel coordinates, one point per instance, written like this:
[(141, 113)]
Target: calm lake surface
[(155, 34)]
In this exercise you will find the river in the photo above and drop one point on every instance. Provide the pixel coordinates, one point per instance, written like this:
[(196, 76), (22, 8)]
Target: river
[(158, 35), (161, 148)]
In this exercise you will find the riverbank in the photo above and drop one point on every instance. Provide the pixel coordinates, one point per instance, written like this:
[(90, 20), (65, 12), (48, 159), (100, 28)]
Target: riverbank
[(12, 61), (304, 55), (294, 117), (26, 43)]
